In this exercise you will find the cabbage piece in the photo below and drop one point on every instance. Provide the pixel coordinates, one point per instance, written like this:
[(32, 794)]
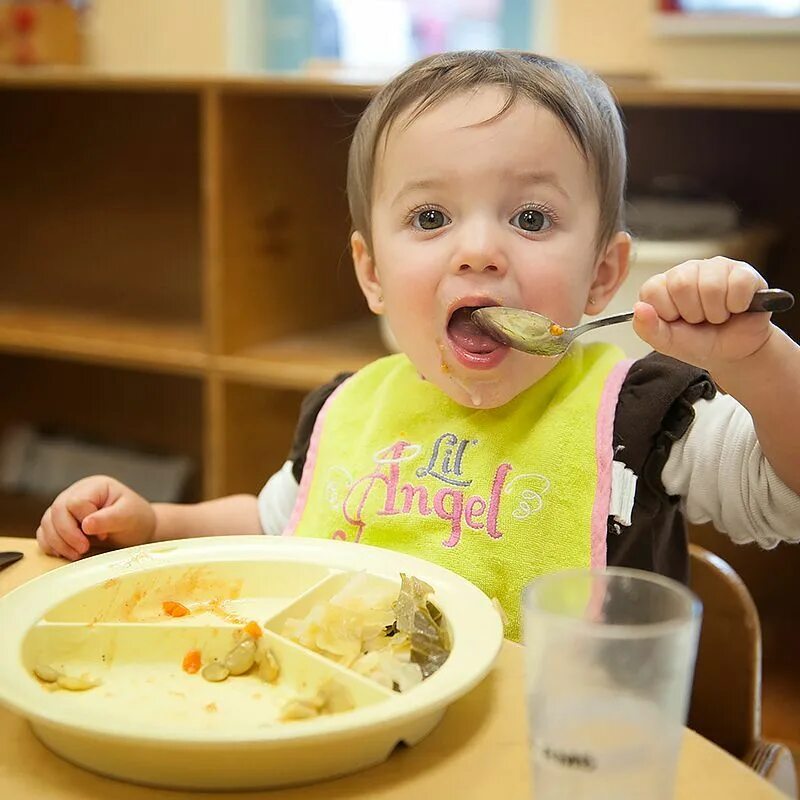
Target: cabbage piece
[(422, 621)]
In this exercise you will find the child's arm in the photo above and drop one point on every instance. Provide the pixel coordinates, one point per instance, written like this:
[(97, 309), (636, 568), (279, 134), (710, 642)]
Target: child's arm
[(104, 508), (692, 312), (235, 514)]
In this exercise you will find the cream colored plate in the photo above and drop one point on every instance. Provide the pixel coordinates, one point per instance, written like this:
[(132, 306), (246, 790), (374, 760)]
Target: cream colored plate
[(150, 722)]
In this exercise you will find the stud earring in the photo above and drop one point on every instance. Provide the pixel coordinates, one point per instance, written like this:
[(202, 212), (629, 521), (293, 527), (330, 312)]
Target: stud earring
[(591, 301)]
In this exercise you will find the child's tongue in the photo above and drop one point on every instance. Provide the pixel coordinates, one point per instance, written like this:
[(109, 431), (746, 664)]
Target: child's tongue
[(467, 334)]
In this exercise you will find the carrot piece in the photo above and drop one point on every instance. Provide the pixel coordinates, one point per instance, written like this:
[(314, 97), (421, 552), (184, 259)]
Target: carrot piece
[(253, 629), (192, 662), (174, 609)]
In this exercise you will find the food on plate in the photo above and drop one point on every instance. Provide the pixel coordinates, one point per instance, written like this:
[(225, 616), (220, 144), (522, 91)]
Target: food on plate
[(55, 679), (330, 698), (174, 609), (395, 639), (215, 671), (45, 673), (242, 657), (268, 669), (192, 662), (246, 653), (77, 683)]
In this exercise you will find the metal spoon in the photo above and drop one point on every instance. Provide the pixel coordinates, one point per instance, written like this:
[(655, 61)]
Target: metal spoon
[(534, 333)]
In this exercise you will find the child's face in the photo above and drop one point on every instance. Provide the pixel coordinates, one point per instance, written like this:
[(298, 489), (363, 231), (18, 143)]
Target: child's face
[(468, 213)]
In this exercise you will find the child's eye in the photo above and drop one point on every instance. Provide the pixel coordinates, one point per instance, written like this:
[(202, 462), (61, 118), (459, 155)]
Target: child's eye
[(532, 220), (430, 219)]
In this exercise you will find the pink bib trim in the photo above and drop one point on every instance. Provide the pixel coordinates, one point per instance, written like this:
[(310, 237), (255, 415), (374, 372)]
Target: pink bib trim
[(311, 463), (604, 442)]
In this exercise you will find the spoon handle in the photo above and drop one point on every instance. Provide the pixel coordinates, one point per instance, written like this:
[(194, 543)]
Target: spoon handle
[(771, 300), (763, 300)]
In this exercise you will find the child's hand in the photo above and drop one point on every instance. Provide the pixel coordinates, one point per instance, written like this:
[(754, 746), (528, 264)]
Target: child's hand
[(99, 507), (693, 313)]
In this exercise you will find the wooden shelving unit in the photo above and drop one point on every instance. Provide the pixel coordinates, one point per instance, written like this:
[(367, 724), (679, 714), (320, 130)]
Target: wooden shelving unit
[(174, 272)]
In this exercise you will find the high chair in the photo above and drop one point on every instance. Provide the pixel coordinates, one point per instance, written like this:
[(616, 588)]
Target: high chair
[(726, 697)]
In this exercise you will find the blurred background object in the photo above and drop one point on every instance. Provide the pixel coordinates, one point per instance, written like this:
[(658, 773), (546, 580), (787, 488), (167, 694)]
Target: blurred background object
[(41, 32)]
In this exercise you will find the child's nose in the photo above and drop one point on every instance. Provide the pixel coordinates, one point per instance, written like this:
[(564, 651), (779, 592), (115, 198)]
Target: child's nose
[(480, 252)]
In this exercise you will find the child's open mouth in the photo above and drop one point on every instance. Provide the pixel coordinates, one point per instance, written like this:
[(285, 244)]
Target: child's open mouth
[(472, 346)]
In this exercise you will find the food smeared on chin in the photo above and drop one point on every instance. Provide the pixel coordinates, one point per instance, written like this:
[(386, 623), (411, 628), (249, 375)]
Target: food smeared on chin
[(397, 640)]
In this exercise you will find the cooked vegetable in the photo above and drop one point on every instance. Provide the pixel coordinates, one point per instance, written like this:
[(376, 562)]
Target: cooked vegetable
[(253, 629), (422, 622), (74, 684), (192, 662), (174, 609), (330, 698), (215, 671), (46, 673), (242, 657), (268, 667), (394, 639)]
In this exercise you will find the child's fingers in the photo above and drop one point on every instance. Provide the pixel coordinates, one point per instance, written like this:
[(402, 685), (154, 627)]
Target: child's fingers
[(654, 292), (80, 508), (54, 543), (651, 328), (67, 528), (683, 288), (111, 519), (44, 542), (744, 281), (713, 282)]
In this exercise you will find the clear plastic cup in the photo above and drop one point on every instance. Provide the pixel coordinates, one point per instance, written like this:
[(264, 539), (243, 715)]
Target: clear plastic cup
[(610, 658)]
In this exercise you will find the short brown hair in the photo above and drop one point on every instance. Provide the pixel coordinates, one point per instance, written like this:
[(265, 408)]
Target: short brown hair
[(578, 98)]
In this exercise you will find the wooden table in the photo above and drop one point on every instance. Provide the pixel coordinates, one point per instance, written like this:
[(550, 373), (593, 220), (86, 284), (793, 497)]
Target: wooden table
[(479, 750)]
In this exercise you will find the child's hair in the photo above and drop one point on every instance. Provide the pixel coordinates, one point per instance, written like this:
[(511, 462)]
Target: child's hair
[(578, 98)]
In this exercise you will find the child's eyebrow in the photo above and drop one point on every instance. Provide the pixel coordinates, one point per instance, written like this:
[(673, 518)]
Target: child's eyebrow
[(526, 178), (423, 183), (536, 177)]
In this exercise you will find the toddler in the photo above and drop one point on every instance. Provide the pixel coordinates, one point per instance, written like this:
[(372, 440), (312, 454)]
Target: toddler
[(496, 178)]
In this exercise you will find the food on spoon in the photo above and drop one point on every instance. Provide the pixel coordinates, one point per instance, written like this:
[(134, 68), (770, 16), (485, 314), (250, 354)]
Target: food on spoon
[(395, 639), (174, 609), (253, 629), (556, 329)]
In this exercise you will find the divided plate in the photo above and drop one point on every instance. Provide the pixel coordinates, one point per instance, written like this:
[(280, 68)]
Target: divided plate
[(150, 722)]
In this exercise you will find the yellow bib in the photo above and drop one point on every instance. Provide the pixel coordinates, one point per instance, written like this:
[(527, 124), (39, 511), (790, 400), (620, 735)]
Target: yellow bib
[(498, 495)]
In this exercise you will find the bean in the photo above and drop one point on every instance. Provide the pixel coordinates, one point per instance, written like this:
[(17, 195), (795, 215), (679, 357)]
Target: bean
[(241, 658), (73, 684), (215, 672), (46, 673), (268, 667)]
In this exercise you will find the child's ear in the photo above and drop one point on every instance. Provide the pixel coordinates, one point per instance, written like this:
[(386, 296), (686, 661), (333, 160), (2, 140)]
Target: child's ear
[(366, 273), (609, 272)]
